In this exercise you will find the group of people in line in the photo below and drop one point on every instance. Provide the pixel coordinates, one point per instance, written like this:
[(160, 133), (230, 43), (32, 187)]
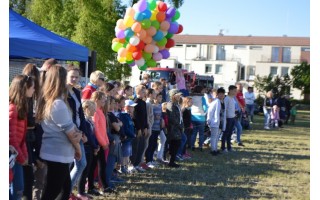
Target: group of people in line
[(63, 136)]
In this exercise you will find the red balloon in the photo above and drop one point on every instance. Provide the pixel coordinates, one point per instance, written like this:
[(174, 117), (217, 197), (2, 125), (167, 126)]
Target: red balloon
[(137, 55), (170, 43), (162, 6), (180, 29), (141, 45)]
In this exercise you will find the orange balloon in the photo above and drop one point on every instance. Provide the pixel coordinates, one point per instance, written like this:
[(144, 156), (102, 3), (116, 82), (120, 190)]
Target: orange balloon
[(131, 48), (120, 24), (130, 12), (161, 16), (151, 31), (142, 34), (136, 27), (122, 52)]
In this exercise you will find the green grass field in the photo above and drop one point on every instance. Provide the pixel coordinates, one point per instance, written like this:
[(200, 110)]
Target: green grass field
[(274, 164)]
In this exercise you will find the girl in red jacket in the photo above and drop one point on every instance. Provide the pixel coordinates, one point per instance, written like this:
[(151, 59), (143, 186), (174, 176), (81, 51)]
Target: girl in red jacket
[(21, 88)]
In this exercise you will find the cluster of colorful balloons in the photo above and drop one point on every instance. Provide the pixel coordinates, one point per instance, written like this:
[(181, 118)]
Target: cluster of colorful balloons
[(144, 35)]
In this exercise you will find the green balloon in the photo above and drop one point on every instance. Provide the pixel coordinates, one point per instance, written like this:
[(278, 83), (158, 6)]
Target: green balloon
[(176, 16), (146, 23), (151, 63), (129, 61), (155, 24), (169, 35), (143, 67), (116, 46), (162, 42), (152, 4), (146, 56)]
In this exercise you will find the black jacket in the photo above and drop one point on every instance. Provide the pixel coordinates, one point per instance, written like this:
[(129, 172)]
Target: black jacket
[(140, 117), (175, 125)]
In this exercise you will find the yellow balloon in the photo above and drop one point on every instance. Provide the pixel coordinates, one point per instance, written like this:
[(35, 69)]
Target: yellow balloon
[(129, 56), (121, 59), (128, 21), (154, 15)]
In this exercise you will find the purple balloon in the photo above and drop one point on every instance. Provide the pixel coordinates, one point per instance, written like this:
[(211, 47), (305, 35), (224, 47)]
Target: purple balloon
[(142, 5), (132, 64), (174, 27), (170, 12), (157, 56), (120, 34), (165, 53)]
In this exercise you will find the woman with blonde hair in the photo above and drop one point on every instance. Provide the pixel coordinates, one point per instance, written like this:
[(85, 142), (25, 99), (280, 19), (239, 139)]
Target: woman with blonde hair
[(267, 107), (60, 140)]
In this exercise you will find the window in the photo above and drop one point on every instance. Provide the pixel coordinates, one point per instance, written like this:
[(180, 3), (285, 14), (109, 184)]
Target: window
[(305, 48), (179, 66), (187, 67), (210, 52), (179, 45), (240, 47), (221, 52), (275, 54), (218, 69), (286, 54), (208, 68), (284, 71), (256, 47), (191, 45), (252, 71), (274, 71)]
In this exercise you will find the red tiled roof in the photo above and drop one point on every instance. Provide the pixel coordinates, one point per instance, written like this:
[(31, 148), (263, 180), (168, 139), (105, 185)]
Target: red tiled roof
[(241, 40)]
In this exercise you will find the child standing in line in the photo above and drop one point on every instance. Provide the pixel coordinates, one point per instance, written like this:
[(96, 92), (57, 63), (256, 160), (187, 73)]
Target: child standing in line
[(293, 113), (91, 147), (129, 131), (163, 145), (275, 116)]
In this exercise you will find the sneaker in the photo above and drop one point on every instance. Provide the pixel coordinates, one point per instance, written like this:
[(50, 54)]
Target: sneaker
[(144, 166), (179, 158), (131, 170), (150, 165), (155, 163), (224, 151), (82, 197), (173, 165), (140, 169), (240, 144), (267, 127), (186, 157), (94, 192)]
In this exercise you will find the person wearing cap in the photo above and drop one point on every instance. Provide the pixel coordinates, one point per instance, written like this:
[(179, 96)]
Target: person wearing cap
[(129, 131), (175, 125), (96, 81)]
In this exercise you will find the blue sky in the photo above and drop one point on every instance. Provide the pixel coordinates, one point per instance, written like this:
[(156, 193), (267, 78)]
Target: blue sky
[(245, 17)]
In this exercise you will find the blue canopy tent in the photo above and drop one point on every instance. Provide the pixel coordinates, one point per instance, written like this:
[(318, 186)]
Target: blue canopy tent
[(29, 40)]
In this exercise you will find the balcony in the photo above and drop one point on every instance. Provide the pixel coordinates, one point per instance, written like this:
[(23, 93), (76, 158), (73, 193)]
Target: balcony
[(268, 60)]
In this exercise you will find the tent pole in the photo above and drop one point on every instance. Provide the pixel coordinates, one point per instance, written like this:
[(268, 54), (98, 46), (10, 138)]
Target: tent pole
[(87, 64)]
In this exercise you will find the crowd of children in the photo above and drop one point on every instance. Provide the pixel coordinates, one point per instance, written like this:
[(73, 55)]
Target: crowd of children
[(81, 139)]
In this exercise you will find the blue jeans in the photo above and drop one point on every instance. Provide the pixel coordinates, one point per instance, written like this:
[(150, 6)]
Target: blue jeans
[(79, 166), (183, 142), (198, 126), (17, 186), (239, 129), (111, 161), (267, 116), (227, 134), (250, 110), (153, 139)]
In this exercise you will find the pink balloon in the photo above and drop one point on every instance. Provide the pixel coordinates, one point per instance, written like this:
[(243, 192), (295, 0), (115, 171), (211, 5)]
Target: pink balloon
[(157, 56), (165, 25), (151, 31), (149, 48), (142, 34)]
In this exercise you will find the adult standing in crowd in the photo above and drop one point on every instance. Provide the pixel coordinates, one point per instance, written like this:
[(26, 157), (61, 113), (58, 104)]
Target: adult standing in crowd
[(74, 100), (249, 100), (21, 88), (229, 103), (60, 142), (175, 125), (32, 71), (267, 106), (96, 81), (198, 116)]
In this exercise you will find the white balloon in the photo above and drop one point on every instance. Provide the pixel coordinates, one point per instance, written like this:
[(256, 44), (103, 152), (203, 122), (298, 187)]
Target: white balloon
[(134, 40), (156, 49), (140, 62)]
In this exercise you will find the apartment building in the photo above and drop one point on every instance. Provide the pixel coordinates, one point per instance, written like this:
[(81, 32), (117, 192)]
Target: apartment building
[(238, 58)]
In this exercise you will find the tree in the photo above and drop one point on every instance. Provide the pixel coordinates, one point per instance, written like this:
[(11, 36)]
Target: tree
[(175, 3), (279, 85), (301, 78), (20, 6)]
